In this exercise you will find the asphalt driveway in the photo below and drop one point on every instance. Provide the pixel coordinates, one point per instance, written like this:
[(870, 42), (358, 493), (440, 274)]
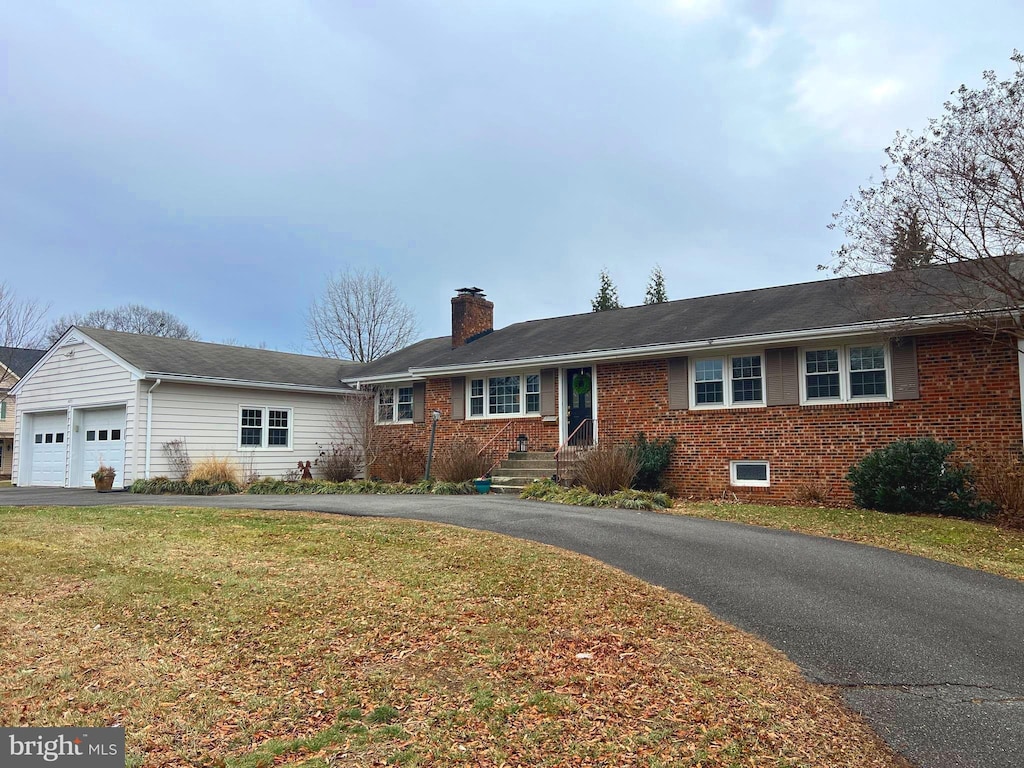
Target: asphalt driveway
[(931, 654)]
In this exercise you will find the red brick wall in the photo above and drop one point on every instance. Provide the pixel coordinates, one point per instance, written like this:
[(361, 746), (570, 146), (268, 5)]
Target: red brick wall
[(541, 435), (970, 393)]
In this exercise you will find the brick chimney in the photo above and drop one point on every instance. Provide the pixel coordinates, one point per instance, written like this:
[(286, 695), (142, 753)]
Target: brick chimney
[(472, 315)]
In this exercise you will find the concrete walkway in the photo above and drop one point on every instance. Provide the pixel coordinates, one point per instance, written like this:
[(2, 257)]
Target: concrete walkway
[(931, 654)]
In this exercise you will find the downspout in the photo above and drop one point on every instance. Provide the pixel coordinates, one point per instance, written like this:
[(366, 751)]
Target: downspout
[(149, 423)]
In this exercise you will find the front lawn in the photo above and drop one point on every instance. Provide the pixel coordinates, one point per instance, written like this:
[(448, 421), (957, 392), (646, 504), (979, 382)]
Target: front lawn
[(947, 539), (227, 638)]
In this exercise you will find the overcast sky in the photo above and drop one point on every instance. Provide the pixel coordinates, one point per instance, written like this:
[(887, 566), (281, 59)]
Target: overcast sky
[(218, 159)]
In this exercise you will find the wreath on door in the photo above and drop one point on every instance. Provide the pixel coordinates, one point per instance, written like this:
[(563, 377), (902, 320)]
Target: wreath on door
[(581, 384)]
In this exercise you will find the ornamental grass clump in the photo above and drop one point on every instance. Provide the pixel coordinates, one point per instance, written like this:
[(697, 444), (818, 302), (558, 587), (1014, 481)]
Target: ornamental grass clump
[(459, 461), (215, 470), (605, 469)]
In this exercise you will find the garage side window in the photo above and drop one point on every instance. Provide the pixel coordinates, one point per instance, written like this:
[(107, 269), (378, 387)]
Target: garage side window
[(264, 427)]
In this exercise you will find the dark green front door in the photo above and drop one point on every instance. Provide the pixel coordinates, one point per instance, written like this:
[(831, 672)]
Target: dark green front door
[(579, 386)]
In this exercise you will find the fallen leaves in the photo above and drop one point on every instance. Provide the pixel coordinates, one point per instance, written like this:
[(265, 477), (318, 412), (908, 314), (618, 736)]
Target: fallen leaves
[(246, 639)]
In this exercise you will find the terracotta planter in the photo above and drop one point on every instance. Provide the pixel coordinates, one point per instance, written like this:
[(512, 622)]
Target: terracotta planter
[(104, 484)]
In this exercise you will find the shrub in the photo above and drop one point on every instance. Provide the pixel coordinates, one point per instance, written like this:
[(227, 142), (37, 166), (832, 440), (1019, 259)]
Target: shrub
[(460, 461), (324, 487), (337, 462), (160, 485), (605, 468), (401, 464), (549, 490), (1000, 480), (916, 476), (215, 470), (652, 459)]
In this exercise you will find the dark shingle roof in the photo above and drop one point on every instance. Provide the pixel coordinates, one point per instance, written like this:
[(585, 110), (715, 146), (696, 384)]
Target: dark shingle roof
[(821, 305), (20, 360), (160, 355)]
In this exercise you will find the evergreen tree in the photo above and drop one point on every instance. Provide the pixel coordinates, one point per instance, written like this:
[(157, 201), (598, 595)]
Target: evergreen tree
[(656, 293), (607, 295), (910, 246)]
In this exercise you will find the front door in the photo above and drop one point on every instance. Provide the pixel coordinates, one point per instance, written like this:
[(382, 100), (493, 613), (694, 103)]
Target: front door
[(579, 387)]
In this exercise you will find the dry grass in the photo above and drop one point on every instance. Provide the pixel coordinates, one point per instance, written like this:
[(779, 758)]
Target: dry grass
[(947, 539), (1000, 479), (400, 464), (242, 639), (606, 468), (216, 470), (460, 460)]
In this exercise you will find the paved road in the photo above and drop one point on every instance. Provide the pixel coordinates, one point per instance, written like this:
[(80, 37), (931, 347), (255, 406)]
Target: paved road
[(931, 654)]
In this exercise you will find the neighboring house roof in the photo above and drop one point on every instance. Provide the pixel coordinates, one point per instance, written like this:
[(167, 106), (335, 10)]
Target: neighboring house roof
[(19, 360), (157, 356), (843, 303)]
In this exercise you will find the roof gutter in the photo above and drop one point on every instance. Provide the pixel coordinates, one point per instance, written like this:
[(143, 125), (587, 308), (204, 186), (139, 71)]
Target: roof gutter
[(179, 378)]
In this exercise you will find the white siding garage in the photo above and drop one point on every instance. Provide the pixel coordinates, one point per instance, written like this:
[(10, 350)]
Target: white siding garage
[(46, 448), (105, 397)]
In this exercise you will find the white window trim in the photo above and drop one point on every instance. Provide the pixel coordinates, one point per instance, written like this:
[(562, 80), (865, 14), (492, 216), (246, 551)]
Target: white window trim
[(844, 374), (265, 426), (733, 480), (727, 382), (394, 403), (521, 414)]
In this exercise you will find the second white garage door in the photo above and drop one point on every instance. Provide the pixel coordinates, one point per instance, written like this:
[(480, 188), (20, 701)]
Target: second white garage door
[(102, 442)]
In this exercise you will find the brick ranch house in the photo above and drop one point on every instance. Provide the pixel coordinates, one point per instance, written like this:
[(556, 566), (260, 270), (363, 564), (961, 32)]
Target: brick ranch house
[(768, 392)]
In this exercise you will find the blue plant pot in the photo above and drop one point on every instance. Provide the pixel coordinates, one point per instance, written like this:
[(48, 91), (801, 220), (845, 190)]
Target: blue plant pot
[(482, 486)]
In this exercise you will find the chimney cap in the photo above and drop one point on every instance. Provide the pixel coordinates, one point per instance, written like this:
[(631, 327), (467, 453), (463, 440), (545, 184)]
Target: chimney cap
[(474, 291)]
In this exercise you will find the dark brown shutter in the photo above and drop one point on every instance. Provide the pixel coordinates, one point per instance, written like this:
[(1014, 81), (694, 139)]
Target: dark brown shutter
[(548, 377), (419, 395), (678, 383), (459, 398), (782, 376), (904, 370)]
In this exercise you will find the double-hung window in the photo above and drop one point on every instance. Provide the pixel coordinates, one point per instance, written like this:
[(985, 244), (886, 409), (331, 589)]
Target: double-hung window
[(264, 427), (506, 395), (845, 374), (394, 404), (728, 381)]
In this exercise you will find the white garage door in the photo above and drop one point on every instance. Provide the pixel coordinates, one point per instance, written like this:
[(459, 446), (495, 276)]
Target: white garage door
[(103, 443), (47, 448)]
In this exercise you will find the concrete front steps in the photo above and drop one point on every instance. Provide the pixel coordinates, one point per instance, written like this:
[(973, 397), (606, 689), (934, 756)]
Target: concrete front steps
[(521, 469)]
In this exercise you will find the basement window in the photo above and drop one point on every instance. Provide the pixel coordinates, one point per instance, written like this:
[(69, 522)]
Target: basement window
[(749, 473)]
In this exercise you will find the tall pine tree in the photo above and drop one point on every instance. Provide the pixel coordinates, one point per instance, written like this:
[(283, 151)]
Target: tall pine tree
[(607, 295), (656, 293), (910, 246)]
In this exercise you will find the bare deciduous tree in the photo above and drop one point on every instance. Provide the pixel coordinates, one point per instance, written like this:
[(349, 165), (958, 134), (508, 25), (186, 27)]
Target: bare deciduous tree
[(355, 425), (359, 317), (130, 318), (957, 191), (21, 327)]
